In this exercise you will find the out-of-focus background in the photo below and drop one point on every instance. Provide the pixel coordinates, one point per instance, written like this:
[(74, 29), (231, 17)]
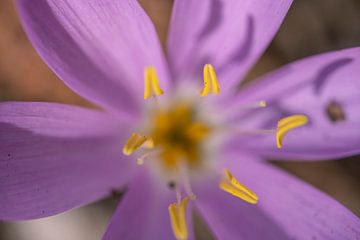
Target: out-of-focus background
[(311, 27)]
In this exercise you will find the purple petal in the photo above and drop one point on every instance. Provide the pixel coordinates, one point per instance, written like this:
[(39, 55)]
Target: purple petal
[(295, 207), (143, 212), (98, 48), (312, 86), (229, 34), (55, 157)]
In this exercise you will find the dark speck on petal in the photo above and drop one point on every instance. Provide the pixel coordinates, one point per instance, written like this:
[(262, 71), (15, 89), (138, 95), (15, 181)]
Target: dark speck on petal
[(171, 184), (335, 112)]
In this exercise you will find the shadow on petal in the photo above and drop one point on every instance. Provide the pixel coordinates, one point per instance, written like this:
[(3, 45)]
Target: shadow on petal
[(326, 72), (214, 19)]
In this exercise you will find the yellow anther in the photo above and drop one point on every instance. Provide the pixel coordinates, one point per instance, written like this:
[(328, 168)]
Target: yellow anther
[(231, 185), (211, 84), (149, 143), (133, 143), (178, 219), (151, 83), (287, 124)]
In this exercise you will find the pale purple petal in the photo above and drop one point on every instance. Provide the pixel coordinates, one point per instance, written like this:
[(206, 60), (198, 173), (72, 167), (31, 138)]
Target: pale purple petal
[(229, 34), (310, 86), (297, 208), (98, 48), (143, 212), (55, 157)]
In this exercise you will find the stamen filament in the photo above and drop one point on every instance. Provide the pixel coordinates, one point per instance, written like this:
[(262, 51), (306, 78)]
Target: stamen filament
[(231, 185), (211, 84), (253, 131), (151, 83), (186, 181), (178, 220), (142, 158), (235, 111), (287, 124), (178, 194), (259, 104), (133, 143)]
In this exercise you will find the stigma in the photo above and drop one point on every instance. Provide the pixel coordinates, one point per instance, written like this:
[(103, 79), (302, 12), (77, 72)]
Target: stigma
[(178, 136)]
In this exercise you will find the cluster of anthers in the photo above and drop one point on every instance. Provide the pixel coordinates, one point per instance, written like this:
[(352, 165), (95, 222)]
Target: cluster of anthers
[(175, 138)]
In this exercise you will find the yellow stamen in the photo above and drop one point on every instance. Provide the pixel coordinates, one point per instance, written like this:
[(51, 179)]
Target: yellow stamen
[(231, 185), (149, 143), (178, 220), (133, 143), (211, 84), (287, 124), (151, 83)]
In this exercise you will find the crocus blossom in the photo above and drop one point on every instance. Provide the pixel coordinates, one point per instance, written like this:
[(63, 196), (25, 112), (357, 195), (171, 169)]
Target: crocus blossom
[(175, 144)]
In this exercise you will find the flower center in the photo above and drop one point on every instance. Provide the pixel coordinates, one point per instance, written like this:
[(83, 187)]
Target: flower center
[(177, 135)]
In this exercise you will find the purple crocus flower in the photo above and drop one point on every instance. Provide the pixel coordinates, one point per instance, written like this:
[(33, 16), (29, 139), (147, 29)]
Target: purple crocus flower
[(193, 151)]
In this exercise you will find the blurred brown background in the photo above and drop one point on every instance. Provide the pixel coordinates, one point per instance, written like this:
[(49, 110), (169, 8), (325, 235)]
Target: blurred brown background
[(312, 26)]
